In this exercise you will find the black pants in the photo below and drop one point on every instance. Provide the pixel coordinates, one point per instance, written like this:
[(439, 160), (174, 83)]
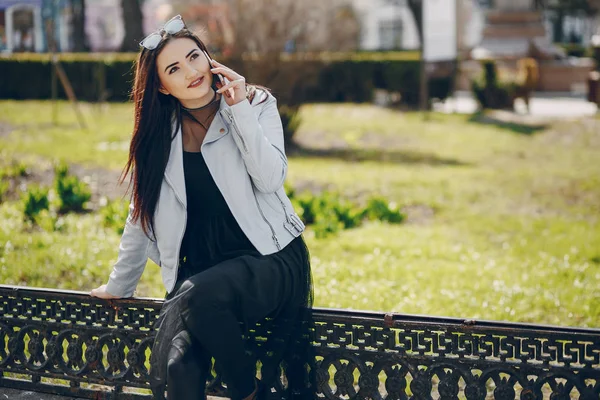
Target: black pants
[(201, 319)]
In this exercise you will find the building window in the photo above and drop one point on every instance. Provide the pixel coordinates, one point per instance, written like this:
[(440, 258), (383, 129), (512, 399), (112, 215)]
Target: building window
[(23, 30), (390, 34)]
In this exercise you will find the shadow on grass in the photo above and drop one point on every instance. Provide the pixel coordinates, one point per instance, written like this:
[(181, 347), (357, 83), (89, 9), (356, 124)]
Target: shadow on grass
[(378, 155), (521, 124)]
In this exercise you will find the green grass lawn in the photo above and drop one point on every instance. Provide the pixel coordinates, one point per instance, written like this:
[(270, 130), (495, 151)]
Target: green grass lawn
[(503, 220)]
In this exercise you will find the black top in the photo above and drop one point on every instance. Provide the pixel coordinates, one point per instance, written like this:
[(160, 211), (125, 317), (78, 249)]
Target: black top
[(212, 234)]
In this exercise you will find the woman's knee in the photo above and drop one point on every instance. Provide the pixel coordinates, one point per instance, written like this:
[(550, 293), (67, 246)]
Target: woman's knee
[(211, 297), (175, 367)]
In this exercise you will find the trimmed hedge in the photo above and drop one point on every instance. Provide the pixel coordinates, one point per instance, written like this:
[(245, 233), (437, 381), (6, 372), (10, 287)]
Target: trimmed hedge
[(34, 79), (331, 77), (576, 49)]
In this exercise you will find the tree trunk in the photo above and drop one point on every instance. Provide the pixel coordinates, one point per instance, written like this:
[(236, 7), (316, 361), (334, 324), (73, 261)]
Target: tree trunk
[(558, 26), (80, 41), (416, 8), (132, 20)]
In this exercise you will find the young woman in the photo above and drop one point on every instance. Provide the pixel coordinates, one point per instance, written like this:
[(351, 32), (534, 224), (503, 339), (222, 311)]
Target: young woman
[(207, 164)]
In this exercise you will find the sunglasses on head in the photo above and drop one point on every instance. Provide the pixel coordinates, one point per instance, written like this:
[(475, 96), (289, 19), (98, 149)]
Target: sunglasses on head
[(172, 26)]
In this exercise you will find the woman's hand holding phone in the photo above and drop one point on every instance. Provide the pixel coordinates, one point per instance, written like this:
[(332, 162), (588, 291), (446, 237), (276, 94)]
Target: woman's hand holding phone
[(231, 84)]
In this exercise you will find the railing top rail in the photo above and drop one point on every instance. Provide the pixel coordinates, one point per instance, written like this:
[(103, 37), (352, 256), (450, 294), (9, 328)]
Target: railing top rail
[(389, 318)]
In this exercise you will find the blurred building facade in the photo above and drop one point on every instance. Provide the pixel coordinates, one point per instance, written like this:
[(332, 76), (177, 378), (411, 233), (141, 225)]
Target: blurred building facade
[(386, 25), (24, 23), (390, 25), (563, 24), (517, 29), (104, 21)]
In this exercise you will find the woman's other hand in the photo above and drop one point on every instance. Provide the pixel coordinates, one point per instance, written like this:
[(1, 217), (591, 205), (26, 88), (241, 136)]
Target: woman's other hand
[(101, 292)]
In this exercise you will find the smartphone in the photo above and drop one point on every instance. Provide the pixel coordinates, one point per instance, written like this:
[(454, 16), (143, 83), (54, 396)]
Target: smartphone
[(221, 78)]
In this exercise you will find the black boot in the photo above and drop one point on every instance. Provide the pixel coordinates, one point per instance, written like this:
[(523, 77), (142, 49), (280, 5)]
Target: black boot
[(185, 378)]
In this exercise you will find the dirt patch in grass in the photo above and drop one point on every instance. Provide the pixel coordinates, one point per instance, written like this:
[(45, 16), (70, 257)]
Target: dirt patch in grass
[(363, 141), (418, 214), (5, 129), (102, 182)]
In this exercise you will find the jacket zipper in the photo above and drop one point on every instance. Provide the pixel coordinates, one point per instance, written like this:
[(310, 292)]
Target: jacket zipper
[(295, 226), (287, 218), (274, 236), (237, 132)]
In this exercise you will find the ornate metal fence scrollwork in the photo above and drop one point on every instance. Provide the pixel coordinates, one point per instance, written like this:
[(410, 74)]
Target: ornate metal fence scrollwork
[(65, 342)]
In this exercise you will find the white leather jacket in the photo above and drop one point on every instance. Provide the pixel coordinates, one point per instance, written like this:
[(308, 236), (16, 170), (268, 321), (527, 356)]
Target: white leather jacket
[(245, 155)]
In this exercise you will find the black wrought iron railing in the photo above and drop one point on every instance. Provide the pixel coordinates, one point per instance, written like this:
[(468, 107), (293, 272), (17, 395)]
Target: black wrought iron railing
[(68, 343)]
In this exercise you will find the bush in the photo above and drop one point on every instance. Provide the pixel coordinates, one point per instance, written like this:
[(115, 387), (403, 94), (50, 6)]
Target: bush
[(114, 215), (72, 193), (490, 91), (328, 213), (380, 209), (574, 49), (346, 81), (347, 213), (90, 75), (15, 169), (326, 223), (34, 201)]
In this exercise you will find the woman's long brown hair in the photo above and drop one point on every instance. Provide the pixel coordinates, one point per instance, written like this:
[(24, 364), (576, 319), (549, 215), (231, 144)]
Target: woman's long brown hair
[(154, 116)]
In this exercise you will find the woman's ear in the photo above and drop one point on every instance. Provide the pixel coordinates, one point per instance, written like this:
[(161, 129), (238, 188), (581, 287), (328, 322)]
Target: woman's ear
[(163, 90)]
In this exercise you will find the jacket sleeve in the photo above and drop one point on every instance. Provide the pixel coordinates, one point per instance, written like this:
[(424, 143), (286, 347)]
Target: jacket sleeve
[(133, 255), (260, 140)]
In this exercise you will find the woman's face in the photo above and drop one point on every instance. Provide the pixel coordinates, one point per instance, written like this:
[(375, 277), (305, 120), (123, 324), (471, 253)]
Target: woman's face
[(184, 73)]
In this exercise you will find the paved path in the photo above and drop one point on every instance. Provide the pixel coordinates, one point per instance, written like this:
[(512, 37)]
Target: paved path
[(544, 104)]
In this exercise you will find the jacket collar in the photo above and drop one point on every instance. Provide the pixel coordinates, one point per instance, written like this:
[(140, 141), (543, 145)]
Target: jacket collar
[(174, 170)]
